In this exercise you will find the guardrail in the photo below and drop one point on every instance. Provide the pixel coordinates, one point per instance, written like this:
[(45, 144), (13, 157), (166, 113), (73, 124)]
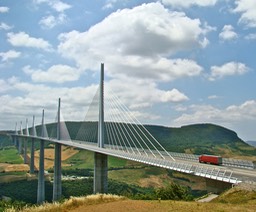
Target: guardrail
[(225, 161), (210, 172)]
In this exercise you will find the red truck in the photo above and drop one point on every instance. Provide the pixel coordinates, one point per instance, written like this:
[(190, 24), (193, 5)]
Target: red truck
[(212, 159)]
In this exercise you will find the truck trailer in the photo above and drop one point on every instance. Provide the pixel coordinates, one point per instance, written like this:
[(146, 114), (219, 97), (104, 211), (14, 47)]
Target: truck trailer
[(211, 159)]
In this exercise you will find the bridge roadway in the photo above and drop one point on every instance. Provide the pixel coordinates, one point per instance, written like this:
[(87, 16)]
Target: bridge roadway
[(221, 173)]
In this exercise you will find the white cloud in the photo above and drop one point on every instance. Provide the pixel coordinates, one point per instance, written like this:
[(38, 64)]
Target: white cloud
[(211, 114), (228, 69), (56, 5), (144, 93), (247, 8), (138, 42), (59, 6), (23, 39), (5, 26), (75, 101), (213, 97), (239, 118), (251, 36), (4, 86), (55, 74), (228, 33), (4, 9), (50, 21), (189, 3), (174, 95), (11, 54)]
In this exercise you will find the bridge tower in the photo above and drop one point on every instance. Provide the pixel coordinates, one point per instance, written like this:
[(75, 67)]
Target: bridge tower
[(32, 150), (20, 140), (57, 191), (26, 143), (41, 181), (101, 160)]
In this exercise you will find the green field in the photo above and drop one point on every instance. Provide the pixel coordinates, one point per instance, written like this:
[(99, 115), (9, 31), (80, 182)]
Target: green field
[(10, 155), (85, 160)]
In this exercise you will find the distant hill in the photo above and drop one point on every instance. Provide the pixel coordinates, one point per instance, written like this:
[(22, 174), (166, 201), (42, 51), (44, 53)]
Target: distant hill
[(201, 139), (252, 143)]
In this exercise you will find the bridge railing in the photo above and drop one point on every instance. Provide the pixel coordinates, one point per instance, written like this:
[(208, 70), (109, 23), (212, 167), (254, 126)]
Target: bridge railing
[(225, 161), (210, 172)]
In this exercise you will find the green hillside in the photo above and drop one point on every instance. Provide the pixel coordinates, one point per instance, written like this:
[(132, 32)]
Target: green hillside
[(200, 139)]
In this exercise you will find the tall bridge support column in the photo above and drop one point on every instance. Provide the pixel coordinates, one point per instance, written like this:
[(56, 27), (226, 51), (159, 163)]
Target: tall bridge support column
[(100, 173), (41, 181), (20, 146), (26, 143), (32, 157), (15, 138), (57, 174), (57, 190), (101, 160), (25, 150), (32, 150), (20, 140)]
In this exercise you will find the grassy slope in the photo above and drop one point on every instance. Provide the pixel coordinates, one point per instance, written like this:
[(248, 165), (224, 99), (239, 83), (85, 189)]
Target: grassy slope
[(116, 203), (10, 155)]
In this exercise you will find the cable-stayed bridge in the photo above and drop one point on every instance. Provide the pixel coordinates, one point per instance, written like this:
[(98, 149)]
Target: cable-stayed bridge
[(109, 128)]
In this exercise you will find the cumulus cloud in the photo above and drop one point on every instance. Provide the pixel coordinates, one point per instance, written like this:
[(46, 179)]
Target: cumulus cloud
[(56, 5), (75, 101), (51, 21), (251, 36), (11, 54), (247, 8), (23, 39), (138, 42), (211, 114), (173, 95), (4, 9), (189, 3), (228, 69), (228, 33), (5, 26), (55, 74), (144, 93), (109, 4), (234, 116)]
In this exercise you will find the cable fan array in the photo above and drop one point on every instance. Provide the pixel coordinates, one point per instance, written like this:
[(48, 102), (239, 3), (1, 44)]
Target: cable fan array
[(122, 131)]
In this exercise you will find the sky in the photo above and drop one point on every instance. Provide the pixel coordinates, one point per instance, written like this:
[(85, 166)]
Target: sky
[(171, 62)]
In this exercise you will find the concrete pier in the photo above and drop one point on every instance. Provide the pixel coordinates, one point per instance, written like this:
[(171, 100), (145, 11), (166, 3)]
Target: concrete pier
[(57, 189), (101, 160), (32, 150), (19, 145), (100, 173), (41, 181), (32, 157), (25, 150)]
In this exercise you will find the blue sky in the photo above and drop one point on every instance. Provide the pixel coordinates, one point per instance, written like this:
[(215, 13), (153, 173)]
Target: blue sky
[(170, 62)]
